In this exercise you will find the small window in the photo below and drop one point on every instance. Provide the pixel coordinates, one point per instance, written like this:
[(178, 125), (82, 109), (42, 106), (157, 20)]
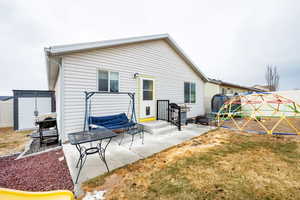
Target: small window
[(223, 91), (114, 82), (108, 81), (103, 81), (229, 91), (147, 89), (186, 92), (193, 93), (189, 92)]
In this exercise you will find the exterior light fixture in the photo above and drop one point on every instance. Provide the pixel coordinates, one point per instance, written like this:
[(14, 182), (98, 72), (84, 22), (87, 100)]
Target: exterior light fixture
[(135, 75)]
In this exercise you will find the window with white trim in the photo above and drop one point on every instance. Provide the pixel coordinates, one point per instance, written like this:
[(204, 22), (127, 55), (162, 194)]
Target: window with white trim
[(189, 92), (223, 91), (108, 81)]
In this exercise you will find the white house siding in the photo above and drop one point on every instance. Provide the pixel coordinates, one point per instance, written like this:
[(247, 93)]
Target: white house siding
[(232, 90), (6, 113), (210, 90), (58, 103), (155, 58)]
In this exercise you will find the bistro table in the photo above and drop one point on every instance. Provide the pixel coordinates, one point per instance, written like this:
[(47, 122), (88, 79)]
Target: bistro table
[(97, 135)]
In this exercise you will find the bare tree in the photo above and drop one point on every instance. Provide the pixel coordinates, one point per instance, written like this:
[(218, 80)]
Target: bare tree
[(272, 77)]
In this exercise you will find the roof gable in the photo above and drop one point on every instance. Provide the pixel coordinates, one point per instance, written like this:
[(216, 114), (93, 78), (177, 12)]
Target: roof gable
[(222, 83), (56, 51)]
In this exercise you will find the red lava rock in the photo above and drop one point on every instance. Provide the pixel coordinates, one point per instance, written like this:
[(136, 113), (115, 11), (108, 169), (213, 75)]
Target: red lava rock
[(42, 172)]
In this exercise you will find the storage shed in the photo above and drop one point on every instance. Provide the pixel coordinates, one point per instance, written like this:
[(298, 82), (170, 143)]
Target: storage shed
[(6, 111), (30, 103)]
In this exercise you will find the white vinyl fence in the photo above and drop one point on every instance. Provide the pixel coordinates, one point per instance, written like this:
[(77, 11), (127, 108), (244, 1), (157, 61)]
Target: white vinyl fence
[(290, 94), (6, 113), (268, 109)]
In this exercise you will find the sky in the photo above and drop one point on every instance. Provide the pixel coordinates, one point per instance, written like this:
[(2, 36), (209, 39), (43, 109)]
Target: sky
[(229, 40)]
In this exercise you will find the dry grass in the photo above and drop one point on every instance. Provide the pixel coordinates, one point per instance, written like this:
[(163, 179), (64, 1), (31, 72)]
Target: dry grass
[(12, 141), (219, 165)]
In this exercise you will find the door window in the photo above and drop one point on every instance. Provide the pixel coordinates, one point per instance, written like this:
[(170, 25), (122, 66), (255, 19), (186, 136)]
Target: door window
[(147, 89)]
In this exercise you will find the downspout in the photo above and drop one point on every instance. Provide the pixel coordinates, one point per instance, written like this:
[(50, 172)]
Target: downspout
[(61, 98)]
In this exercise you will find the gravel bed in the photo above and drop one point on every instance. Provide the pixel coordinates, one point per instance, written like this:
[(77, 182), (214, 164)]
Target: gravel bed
[(43, 172)]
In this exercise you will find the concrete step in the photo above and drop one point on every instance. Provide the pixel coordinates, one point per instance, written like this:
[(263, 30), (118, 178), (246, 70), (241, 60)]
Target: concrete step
[(196, 127), (148, 126), (162, 130)]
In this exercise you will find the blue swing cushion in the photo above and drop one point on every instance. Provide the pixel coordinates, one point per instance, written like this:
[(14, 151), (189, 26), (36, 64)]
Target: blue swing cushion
[(112, 122)]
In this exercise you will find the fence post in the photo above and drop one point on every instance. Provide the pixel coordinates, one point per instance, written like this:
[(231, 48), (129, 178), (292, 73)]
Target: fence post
[(179, 118), (85, 110), (168, 110), (157, 118)]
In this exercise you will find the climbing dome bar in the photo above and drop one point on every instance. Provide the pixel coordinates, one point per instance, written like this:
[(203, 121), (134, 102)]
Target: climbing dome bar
[(265, 113)]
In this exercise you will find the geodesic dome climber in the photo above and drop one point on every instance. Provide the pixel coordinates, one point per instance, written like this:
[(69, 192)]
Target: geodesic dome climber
[(265, 113)]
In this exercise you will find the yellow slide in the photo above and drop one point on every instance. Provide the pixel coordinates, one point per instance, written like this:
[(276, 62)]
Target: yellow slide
[(8, 194)]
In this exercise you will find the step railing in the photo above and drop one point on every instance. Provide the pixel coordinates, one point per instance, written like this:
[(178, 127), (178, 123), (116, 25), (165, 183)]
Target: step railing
[(162, 110), (169, 112), (175, 115)]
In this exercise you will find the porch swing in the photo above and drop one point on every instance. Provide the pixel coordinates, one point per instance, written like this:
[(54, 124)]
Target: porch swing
[(119, 123)]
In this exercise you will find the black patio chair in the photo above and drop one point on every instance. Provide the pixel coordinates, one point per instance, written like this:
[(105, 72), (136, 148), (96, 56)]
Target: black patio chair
[(133, 130)]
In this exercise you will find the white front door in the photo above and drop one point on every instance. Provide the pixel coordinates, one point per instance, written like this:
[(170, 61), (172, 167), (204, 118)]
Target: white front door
[(147, 99)]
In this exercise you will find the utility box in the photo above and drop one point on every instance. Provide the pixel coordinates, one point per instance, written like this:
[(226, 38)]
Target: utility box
[(184, 110)]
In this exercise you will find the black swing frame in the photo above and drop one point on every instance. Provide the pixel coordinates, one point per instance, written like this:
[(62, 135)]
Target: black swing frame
[(131, 131), (89, 95)]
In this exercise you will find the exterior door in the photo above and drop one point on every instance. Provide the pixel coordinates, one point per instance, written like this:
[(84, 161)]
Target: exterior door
[(26, 113), (27, 107), (44, 105), (147, 99)]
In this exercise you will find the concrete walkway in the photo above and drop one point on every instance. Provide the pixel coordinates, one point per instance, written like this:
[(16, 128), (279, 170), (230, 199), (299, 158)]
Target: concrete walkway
[(120, 155)]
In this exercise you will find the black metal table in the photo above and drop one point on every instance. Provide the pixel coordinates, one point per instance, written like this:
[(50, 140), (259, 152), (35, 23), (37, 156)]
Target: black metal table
[(97, 135)]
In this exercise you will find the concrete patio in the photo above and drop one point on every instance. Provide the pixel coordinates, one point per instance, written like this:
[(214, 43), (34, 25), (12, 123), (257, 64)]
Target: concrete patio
[(120, 155)]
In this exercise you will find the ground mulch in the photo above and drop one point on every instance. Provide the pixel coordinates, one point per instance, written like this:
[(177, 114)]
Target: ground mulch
[(43, 172)]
